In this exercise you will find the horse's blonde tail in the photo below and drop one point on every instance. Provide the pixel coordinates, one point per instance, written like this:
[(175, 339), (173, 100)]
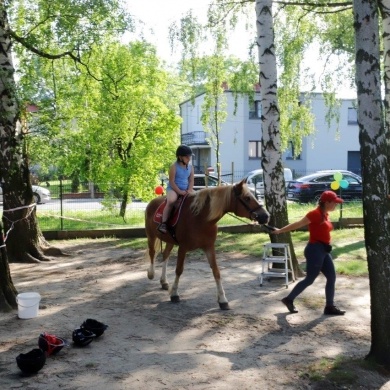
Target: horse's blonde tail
[(157, 247), (150, 259)]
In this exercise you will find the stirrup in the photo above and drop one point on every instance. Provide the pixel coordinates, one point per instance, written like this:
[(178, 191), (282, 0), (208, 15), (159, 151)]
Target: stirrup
[(162, 228)]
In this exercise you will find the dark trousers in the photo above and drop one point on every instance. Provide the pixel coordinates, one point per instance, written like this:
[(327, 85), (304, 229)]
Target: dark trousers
[(317, 260)]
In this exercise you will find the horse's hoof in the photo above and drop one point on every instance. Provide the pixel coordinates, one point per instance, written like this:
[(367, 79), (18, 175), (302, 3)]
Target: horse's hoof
[(165, 286), (175, 299), (224, 306)]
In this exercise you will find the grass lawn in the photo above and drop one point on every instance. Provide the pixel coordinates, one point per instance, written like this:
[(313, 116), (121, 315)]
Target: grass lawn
[(349, 253), (108, 217)]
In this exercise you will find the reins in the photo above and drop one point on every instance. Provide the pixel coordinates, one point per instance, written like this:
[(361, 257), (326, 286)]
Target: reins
[(251, 211), (239, 219)]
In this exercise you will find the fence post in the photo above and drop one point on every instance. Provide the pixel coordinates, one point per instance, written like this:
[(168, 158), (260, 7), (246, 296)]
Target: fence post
[(61, 205)]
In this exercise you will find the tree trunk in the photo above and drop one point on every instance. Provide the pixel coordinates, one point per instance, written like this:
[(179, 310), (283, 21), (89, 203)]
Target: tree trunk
[(125, 198), (375, 173), (274, 183), (7, 291), (20, 225)]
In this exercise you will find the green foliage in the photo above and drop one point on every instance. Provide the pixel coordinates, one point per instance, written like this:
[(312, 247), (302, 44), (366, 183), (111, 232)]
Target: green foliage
[(114, 129), (298, 29), (54, 26)]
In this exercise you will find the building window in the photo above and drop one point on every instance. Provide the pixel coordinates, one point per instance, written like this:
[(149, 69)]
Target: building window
[(352, 116), (255, 110), (254, 151), (290, 152)]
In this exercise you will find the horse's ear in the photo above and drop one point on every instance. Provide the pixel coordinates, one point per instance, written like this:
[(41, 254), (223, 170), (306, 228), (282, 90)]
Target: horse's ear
[(238, 186)]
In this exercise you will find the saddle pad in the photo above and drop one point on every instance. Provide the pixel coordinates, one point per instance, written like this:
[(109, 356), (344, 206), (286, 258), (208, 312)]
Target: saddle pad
[(159, 212), (172, 221)]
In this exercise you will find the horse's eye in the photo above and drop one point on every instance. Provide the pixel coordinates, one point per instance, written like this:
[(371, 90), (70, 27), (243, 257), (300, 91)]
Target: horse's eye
[(248, 199)]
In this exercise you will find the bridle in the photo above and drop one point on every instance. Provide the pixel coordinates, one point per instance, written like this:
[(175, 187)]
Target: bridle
[(252, 212)]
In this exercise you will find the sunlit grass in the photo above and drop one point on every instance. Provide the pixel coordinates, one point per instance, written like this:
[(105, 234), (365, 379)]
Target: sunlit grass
[(85, 220), (349, 252), (106, 219), (339, 371)]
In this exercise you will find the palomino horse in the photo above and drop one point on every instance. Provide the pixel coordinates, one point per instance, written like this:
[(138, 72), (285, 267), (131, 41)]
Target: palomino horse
[(197, 229)]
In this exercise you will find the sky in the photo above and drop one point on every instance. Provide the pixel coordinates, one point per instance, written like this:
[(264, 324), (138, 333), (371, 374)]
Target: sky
[(158, 15)]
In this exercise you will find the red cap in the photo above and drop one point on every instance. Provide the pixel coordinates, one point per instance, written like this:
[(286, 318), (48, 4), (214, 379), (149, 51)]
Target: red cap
[(330, 196)]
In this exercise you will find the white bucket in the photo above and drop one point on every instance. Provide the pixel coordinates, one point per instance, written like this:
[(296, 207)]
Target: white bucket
[(28, 304)]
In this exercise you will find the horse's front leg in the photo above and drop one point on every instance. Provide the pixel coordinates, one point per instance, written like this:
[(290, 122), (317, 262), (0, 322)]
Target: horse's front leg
[(221, 297), (181, 254), (163, 280)]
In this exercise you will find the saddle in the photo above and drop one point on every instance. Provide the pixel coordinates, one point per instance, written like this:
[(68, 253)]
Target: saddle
[(175, 214)]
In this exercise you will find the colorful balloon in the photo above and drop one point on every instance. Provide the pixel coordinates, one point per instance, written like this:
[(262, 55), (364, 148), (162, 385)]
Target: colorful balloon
[(335, 185), (344, 183), (159, 190), (338, 176)]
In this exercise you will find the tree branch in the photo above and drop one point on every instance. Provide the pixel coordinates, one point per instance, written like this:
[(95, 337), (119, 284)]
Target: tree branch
[(41, 53), (302, 3)]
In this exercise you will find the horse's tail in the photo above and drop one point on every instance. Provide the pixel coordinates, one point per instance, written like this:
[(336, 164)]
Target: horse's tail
[(150, 256), (157, 248)]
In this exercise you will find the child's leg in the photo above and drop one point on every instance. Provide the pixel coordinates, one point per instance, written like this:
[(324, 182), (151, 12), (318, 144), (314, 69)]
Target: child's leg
[(171, 199)]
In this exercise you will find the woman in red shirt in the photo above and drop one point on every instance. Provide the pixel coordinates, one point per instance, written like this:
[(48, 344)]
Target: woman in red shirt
[(317, 252)]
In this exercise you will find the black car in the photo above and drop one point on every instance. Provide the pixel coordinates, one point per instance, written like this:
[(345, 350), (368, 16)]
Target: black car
[(309, 188)]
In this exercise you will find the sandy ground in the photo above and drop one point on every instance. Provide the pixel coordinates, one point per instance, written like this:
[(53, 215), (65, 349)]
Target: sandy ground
[(152, 343)]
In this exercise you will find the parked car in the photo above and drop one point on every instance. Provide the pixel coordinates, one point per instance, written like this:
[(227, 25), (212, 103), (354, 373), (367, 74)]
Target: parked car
[(309, 188), (200, 181), (255, 181), (40, 194)]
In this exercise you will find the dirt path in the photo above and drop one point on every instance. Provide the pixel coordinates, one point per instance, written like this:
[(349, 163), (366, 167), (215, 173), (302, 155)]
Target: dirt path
[(154, 344)]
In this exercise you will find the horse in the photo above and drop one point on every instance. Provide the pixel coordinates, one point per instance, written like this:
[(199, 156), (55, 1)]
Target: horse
[(197, 228)]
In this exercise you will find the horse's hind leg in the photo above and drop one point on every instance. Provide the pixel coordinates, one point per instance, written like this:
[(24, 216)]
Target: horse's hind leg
[(221, 297), (165, 254)]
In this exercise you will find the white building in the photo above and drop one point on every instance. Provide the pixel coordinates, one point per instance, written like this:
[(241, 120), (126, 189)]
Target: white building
[(240, 139)]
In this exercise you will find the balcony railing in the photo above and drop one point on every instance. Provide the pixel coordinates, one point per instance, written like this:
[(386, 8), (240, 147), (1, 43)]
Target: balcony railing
[(194, 138)]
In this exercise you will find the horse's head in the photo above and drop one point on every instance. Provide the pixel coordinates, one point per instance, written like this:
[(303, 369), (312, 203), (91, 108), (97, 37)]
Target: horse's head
[(255, 209)]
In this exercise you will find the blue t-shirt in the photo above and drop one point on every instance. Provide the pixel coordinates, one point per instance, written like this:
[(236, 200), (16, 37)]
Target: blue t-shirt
[(181, 177)]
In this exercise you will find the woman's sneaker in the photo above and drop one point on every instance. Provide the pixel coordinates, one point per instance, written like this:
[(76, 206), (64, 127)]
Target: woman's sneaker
[(290, 305), (333, 311), (162, 228)]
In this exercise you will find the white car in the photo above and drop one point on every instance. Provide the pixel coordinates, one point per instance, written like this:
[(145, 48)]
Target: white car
[(40, 194), (255, 181)]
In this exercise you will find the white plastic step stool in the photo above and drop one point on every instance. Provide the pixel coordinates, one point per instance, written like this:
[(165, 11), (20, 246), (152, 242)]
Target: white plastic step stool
[(277, 253)]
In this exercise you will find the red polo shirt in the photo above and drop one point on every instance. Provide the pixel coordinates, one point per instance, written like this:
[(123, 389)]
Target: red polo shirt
[(319, 226)]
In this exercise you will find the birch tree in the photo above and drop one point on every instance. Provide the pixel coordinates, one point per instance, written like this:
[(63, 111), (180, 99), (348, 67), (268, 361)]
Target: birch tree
[(373, 131), (374, 149), (51, 29), (274, 184)]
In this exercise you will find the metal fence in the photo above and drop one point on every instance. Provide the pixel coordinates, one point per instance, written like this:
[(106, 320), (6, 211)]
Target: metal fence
[(87, 208)]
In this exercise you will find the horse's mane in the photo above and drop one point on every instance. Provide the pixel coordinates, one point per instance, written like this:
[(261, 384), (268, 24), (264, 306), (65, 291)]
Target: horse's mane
[(219, 198)]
